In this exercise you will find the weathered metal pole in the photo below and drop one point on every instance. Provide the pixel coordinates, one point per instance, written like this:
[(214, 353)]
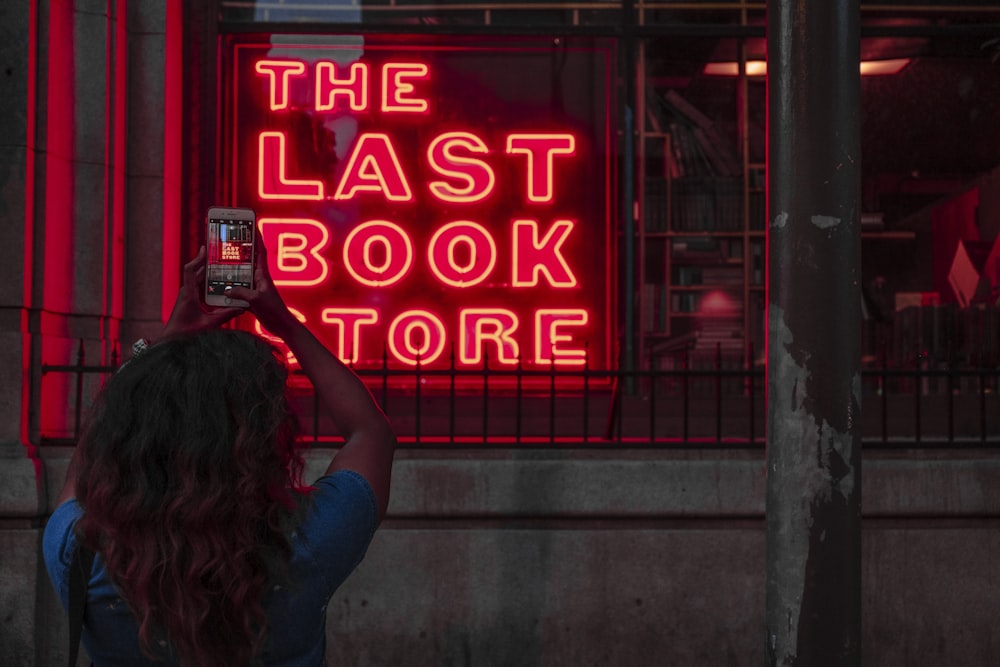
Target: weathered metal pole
[(813, 614)]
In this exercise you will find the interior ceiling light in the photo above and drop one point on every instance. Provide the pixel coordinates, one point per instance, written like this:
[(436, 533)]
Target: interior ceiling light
[(759, 67)]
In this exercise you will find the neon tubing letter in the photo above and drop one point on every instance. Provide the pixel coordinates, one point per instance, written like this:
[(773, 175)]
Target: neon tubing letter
[(477, 179), (278, 73), (374, 167), (482, 254), (402, 343), (548, 339), (532, 257), (395, 89), (478, 325), (360, 259), (272, 183), (540, 149), (348, 322), (329, 87), (295, 245)]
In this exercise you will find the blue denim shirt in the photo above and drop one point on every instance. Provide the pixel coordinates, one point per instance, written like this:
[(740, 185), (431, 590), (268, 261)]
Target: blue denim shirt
[(326, 547)]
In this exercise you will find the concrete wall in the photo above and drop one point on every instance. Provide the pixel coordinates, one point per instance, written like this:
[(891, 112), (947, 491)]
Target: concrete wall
[(639, 558), (500, 557)]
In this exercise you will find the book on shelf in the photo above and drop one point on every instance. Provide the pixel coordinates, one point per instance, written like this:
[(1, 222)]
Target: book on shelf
[(703, 150), (724, 249), (654, 308), (686, 276), (723, 162), (723, 276), (684, 302), (695, 247), (757, 263), (655, 205)]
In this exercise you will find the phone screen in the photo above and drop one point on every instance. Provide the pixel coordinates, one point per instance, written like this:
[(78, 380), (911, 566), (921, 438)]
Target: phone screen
[(230, 255)]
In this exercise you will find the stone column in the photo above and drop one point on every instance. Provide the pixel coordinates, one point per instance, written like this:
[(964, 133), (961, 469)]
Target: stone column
[(82, 106)]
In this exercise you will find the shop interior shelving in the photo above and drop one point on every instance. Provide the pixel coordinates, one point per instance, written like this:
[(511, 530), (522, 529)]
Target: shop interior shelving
[(701, 238)]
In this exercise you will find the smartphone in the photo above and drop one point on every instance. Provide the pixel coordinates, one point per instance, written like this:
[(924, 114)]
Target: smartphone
[(230, 262)]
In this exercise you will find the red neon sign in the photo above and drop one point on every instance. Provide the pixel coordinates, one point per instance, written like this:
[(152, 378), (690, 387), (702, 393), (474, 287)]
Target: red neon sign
[(421, 204)]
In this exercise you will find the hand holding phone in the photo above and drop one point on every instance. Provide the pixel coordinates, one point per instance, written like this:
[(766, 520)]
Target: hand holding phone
[(190, 315), (263, 298), (230, 237)]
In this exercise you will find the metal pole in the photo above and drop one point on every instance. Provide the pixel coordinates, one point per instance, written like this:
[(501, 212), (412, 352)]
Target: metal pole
[(813, 614)]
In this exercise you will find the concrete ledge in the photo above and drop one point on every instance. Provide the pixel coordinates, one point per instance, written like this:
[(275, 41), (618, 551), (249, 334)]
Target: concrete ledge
[(663, 484), (20, 484), (550, 484)]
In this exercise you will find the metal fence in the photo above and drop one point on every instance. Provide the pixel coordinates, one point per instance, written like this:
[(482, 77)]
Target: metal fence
[(922, 404)]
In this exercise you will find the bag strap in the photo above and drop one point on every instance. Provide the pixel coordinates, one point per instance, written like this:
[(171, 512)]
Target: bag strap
[(79, 576)]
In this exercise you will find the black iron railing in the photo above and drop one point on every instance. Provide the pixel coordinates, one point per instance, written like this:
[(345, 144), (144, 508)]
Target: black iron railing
[(924, 404)]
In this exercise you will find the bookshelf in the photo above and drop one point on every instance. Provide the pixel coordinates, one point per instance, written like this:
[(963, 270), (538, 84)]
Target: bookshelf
[(701, 237)]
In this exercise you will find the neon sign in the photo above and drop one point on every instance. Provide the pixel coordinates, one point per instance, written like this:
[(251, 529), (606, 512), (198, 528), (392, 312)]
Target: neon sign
[(423, 206)]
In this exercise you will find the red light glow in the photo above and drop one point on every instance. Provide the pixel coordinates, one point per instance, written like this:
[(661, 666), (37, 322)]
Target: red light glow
[(416, 336), (481, 254), (478, 326), (278, 72), (374, 167), (541, 150), (349, 322), (396, 88), (329, 88), (295, 245), (272, 183), (444, 157), (550, 336), (533, 258), (360, 257), (718, 304)]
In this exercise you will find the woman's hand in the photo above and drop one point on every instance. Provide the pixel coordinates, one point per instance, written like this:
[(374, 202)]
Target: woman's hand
[(190, 314), (265, 302)]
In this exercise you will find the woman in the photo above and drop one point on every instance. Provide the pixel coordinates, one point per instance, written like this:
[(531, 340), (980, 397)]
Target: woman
[(186, 485)]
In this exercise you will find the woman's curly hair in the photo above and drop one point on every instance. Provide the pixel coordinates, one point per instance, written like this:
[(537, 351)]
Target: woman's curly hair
[(190, 485)]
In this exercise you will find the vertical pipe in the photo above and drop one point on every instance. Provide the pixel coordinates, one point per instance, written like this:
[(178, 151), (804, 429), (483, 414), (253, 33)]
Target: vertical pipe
[(652, 399), (628, 188), (951, 395), (813, 589), (81, 360), (517, 401), (686, 387), (884, 396), (315, 424), (385, 377), (417, 401), (751, 375), (552, 404), (982, 406), (918, 383), (718, 393), (451, 395), (486, 396), (586, 395)]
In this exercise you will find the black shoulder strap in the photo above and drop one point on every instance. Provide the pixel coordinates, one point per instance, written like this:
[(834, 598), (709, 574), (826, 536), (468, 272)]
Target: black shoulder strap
[(79, 576)]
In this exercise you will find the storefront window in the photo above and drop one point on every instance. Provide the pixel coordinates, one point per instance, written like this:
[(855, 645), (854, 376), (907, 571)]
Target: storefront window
[(930, 150), (441, 202)]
